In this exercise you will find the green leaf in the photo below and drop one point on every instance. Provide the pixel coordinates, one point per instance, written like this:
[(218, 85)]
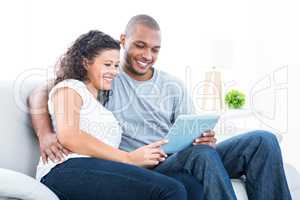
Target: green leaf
[(235, 99)]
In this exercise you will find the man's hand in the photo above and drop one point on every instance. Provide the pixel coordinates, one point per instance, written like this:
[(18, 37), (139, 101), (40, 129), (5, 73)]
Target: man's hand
[(207, 138), (51, 149)]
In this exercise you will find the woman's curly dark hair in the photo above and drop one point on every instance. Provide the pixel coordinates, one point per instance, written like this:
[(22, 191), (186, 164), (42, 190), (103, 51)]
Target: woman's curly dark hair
[(86, 47)]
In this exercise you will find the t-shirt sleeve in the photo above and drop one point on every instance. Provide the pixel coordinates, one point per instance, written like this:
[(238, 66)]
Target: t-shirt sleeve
[(78, 86), (183, 103)]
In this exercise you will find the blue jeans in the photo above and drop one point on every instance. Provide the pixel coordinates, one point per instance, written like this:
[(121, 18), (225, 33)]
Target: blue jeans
[(91, 178), (255, 155)]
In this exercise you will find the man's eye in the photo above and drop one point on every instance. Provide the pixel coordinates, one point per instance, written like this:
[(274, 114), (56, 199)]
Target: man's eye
[(155, 50), (139, 46), (107, 65), (116, 66)]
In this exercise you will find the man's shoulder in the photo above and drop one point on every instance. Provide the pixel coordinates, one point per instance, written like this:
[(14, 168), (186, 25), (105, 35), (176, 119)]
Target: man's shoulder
[(165, 76), (162, 79), (169, 79)]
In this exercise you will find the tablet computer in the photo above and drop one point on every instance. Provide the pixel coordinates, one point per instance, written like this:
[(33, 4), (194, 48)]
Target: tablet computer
[(186, 129)]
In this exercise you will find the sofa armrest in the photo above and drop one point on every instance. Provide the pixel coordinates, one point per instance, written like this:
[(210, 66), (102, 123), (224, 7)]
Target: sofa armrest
[(20, 186)]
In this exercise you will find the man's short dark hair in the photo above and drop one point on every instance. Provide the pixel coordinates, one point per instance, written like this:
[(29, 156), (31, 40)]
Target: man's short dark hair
[(145, 20)]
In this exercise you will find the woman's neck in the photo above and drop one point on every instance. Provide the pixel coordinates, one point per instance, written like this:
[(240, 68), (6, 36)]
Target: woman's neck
[(91, 88)]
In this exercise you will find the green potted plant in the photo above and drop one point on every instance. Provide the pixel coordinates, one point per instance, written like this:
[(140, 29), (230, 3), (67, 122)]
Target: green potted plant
[(235, 99)]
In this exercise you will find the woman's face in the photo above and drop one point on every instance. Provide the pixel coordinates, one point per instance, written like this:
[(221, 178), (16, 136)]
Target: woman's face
[(104, 69)]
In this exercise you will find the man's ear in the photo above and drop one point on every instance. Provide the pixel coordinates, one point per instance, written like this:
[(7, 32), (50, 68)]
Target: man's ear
[(122, 40)]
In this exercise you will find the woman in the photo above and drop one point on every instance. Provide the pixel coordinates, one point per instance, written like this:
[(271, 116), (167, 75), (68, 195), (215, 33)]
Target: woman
[(97, 169)]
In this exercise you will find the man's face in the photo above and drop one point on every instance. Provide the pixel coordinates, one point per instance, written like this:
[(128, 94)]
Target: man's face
[(141, 48)]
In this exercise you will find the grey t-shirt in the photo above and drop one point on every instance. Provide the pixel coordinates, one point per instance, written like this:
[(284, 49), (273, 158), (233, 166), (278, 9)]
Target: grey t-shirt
[(147, 109)]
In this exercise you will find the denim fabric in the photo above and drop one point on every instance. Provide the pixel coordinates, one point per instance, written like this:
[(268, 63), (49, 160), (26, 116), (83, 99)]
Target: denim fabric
[(255, 155), (191, 184), (91, 178)]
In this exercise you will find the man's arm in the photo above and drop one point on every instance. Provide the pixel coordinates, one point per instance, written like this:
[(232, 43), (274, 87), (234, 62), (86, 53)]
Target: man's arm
[(183, 102), (185, 105), (41, 123)]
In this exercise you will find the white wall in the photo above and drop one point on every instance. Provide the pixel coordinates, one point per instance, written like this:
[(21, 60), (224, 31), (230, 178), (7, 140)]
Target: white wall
[(249, 39)]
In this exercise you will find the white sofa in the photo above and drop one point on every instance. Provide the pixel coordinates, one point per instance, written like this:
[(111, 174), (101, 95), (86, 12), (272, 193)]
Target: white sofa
[(20, 152)]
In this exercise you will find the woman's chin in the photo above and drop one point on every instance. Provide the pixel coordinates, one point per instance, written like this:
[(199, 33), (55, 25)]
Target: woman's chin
[(106, 87)]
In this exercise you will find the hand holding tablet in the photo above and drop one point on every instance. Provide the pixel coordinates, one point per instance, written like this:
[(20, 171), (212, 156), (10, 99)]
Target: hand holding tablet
[(186, 129)]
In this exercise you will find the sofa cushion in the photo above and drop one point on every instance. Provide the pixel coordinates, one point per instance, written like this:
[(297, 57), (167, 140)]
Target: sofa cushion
[(17, 185), (19, 146), (239, 189)]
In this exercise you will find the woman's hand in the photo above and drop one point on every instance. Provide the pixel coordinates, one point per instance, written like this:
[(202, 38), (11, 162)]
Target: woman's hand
[(148, 155)]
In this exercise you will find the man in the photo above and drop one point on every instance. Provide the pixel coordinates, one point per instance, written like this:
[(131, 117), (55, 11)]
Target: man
[(147, 101)]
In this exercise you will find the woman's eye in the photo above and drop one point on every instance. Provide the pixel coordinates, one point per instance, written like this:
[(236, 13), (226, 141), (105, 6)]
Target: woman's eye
[(107, 65), (116, 66)]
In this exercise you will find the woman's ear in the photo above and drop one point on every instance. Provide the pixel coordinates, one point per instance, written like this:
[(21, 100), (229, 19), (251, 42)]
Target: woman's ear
[(85, 63)]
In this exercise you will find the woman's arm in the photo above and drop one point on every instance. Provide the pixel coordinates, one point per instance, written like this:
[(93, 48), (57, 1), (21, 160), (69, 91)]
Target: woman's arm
[(67, 104)]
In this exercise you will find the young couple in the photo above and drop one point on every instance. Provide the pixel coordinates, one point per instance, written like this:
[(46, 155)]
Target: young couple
[(107, 125)]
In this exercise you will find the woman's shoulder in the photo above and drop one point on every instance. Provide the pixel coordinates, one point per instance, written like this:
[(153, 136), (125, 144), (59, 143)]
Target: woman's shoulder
[(76, 85), (70, 83)]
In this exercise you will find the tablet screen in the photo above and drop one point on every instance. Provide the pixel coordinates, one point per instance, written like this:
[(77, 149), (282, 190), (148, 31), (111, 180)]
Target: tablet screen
[(187, 128)]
